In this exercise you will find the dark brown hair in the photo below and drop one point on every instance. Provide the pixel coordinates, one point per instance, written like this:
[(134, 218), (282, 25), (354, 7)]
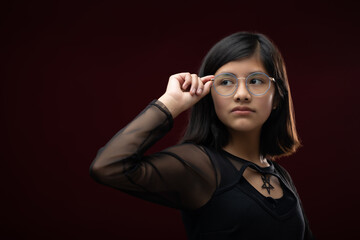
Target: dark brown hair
[(278, 135)]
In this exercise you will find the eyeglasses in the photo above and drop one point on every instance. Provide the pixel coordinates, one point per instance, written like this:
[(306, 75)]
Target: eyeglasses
[(257, 83)]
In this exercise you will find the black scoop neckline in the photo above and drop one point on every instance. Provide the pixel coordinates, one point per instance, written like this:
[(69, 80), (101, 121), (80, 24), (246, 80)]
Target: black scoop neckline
[(269, 169)]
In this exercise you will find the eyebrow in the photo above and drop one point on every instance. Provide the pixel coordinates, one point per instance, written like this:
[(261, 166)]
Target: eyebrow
[(238, 76)]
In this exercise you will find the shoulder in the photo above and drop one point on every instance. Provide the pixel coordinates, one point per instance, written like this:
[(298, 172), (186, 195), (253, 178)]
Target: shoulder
[(195, 158), (187, 146), (188, 151)]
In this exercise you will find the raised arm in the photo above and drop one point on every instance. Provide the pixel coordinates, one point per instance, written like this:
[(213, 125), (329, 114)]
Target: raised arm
[(169, 177)]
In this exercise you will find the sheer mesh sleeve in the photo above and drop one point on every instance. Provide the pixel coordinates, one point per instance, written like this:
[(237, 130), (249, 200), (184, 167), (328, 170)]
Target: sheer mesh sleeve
[(181, 176)]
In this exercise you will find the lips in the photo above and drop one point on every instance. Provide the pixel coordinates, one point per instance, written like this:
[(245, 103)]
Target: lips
[(242, 109)]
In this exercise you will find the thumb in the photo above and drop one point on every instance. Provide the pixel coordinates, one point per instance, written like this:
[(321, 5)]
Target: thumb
[(207, 87)]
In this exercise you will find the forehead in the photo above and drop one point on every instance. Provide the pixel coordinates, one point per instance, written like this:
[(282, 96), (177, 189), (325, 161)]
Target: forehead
[(242, 67)]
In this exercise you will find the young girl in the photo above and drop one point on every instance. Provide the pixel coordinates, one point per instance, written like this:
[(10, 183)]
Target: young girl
[(222, 176)]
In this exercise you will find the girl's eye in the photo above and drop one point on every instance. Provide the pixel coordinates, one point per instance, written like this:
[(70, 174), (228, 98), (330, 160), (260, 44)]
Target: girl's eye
[(256, 81), (227, 82)]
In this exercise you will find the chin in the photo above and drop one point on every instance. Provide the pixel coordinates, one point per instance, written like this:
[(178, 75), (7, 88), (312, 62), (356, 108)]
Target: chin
[(243, 125), (244, 128)]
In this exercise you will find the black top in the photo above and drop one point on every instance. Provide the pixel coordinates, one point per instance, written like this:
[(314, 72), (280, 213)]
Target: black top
[(207, 186)]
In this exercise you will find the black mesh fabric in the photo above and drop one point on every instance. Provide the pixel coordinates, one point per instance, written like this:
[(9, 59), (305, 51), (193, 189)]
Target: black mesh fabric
[(213, 190)]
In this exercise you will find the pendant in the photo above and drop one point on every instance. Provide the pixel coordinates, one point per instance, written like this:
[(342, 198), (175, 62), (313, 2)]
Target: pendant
[(266, 181)]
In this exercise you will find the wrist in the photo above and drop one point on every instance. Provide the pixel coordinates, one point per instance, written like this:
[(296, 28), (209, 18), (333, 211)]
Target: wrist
[(171, 104)]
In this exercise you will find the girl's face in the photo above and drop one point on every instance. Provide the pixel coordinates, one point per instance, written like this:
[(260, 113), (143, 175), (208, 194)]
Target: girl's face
[(231, 109)]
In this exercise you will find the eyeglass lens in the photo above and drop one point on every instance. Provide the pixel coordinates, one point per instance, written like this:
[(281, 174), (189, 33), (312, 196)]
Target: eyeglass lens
[(227, 84)]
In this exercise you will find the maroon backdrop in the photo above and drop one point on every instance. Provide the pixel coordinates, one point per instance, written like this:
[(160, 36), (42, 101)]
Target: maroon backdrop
[(73, 74)]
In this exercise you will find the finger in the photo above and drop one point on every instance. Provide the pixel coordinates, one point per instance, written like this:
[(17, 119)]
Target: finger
[(180, 77), (207, 78), (194, 83), (207, 82), (187, 80), (200, 87), (207, 87)]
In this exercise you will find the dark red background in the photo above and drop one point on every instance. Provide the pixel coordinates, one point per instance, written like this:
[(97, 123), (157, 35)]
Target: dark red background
[(73, 74)]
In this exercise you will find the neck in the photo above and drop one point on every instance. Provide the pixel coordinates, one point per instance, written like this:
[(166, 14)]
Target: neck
[(246, 145)]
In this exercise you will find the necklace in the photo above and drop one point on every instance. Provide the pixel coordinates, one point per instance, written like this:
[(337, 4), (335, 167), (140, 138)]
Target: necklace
[(266, 181)]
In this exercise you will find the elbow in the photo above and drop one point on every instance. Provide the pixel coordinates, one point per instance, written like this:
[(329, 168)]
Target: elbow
[(107, 171), (107, 174), (93, 172), (97, 172)]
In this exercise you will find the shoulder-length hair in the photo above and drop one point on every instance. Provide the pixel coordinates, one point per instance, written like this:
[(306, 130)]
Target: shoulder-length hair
[(278, 134)]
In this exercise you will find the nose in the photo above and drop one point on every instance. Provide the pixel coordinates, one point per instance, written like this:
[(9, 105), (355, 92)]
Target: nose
[(241, 93)]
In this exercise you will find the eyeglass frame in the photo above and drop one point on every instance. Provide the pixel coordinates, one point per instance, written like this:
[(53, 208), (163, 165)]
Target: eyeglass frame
[(237, 83)]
